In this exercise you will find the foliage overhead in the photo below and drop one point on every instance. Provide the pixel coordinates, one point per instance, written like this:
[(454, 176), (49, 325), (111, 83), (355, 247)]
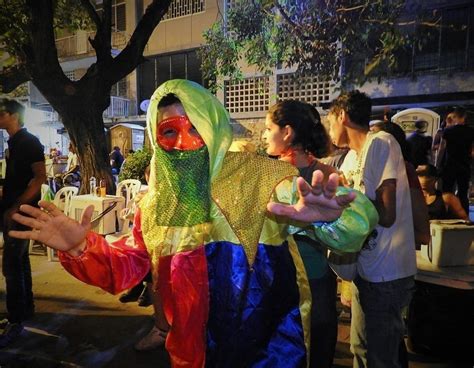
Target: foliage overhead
[(313, 35)]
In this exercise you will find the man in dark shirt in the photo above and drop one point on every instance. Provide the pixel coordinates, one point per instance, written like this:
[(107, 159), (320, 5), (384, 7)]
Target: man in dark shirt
[(25, 173), (457, 142), (116, 160), (420, 144)]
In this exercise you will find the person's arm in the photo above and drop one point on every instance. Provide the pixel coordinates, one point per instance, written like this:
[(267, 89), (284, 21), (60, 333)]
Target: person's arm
[(341, 218), (31, 192), (385, 202), (421, 221), (86, 255), (454, 207), (439, 159), (34, 186)]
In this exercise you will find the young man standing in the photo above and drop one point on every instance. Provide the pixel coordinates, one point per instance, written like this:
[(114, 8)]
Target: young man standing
[(24, 175), (387, 262), (457, 142)]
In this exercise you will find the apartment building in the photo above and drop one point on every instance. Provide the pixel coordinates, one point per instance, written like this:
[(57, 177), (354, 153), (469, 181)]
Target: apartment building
[(438, 74)]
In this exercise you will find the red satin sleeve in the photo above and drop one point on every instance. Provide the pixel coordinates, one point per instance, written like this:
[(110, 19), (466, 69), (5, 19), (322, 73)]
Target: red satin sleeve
[(112, 267)]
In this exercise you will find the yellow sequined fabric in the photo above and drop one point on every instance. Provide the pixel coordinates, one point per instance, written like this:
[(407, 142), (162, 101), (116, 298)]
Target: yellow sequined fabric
[(242, 190)]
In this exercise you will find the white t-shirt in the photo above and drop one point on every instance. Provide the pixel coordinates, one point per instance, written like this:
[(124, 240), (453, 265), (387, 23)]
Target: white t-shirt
[(71, 161), (391, 254)]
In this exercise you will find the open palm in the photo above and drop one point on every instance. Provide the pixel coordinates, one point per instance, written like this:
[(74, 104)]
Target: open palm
[(50, 226), (316, 202)]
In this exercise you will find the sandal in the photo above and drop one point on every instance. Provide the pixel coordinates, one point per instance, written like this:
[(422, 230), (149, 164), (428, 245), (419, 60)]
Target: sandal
[(153, 340)]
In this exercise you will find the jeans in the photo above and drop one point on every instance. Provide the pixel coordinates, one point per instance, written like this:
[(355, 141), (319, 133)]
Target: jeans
[(377, 328), (17, 272), (323, 320)]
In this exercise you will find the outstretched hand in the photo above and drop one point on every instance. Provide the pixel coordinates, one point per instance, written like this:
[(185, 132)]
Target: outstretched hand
[(50, 226), (317, 202)]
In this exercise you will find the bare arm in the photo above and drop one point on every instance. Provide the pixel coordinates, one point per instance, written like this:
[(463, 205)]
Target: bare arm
[(454, 206), (421, 222), (385, 202), (440, 153)]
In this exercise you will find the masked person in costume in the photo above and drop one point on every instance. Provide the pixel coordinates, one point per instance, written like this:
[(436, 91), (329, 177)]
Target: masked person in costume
[(215, 230)]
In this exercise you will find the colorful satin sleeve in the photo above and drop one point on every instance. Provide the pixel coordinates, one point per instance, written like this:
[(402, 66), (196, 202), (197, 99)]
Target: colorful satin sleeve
[(347, 234), (112, 267)]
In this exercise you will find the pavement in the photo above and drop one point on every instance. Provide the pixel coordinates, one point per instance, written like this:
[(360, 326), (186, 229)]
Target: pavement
[(77, 325)]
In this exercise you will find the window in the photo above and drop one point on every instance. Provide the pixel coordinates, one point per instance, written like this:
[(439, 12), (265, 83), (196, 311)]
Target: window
[(180, 8), (427, 52), (119, 20), (310, 89), (249, 95), (453, 38), (119, 89), (160, 68)]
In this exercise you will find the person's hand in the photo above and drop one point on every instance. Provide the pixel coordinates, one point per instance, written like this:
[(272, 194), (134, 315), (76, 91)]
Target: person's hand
[(317, 202), (50, 226)]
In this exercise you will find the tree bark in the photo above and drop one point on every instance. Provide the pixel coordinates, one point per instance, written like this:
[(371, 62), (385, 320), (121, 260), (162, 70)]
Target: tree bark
[(87, 134)]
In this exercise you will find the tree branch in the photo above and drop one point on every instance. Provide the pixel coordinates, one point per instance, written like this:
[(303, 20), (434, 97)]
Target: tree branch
[(132, 54), (102, 42), (289, 21), (345, 10), (92, 12), (12, 77), (41, 51)]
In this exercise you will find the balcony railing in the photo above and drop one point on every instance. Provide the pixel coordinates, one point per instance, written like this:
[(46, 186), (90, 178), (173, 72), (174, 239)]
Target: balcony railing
[(78, 44), (119, 107)]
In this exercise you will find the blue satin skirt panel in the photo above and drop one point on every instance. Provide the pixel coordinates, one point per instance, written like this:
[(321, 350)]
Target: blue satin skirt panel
[(254, 316)]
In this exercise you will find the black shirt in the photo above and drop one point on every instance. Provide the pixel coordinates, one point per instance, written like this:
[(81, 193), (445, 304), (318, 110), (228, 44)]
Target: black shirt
[(118, 159), (420, 147), (459, 139), (24, 149)]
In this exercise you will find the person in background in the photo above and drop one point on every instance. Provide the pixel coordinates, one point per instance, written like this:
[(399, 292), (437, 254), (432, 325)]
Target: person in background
[(25, 172), (294, 134), (457, 142), (440, 205), (71, 174), (116, 160), (376, 125), (419, 209), (420, 144), (438, 161), (386, 265), (212, 229)]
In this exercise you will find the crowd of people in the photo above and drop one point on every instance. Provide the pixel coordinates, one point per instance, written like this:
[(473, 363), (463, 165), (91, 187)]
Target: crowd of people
[(236, 249)]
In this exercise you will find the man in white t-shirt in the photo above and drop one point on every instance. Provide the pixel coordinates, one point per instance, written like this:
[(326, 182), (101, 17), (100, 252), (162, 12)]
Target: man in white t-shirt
[(387, 264), (71, 175)]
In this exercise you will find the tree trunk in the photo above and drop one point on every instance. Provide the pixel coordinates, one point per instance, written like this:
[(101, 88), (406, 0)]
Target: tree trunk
[(86, 131)]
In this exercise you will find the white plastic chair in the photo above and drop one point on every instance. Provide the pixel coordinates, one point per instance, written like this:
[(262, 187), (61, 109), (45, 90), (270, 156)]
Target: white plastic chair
[(127, 188), (62, 200), (44, 191)]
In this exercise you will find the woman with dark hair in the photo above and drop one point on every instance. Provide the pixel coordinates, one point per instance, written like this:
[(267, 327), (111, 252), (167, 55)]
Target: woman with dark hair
[(294, 133)]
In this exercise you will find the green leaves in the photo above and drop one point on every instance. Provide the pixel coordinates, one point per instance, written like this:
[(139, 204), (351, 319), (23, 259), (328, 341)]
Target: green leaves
[(312, 35)]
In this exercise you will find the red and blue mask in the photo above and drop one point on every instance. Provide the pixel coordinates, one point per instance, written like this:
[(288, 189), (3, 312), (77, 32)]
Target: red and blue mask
[(177, 133)]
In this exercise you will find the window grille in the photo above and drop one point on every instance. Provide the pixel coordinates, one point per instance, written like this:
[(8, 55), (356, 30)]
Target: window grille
[(310, 89), (71, 74), (249, 95), (119, 88), (180, 8)]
